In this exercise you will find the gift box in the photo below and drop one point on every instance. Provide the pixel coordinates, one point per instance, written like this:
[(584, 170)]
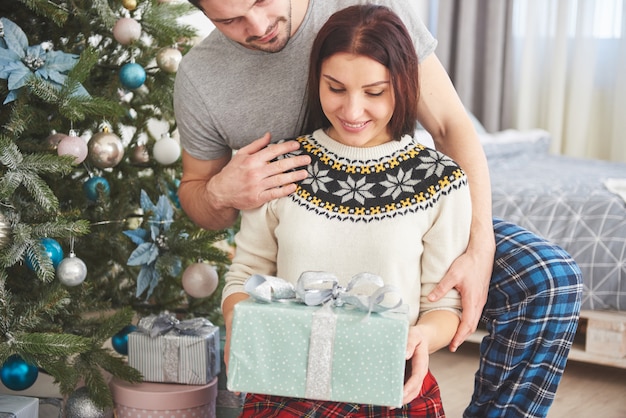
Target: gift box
[(169, 400), (18, 406), (169, 351), (327, 352)]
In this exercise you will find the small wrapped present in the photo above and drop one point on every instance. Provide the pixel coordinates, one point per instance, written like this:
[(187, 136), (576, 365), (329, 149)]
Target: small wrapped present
[(18, 406), (163, 399), (166, 350), (337, 346)]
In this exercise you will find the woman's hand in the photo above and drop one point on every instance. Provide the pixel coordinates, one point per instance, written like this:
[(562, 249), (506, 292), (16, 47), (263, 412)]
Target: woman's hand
[(418, 353), (433, 331)]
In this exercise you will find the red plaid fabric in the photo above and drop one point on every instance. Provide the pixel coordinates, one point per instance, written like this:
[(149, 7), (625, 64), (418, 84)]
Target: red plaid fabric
[(427, 405)]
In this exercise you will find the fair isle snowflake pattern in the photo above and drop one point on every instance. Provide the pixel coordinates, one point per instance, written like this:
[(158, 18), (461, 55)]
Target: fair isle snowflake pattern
[(409, 180)]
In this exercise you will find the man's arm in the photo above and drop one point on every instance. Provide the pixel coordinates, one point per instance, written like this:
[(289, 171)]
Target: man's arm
[(212, 192), (443, 115)]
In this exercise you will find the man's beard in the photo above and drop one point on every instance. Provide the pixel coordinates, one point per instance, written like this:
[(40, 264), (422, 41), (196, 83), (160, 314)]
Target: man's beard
[(278, 43)]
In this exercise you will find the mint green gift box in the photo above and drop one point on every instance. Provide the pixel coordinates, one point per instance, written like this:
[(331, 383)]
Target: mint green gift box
[(353, 356)]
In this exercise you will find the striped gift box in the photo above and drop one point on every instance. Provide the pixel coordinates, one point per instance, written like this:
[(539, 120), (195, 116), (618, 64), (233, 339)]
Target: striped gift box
[(175, 358)]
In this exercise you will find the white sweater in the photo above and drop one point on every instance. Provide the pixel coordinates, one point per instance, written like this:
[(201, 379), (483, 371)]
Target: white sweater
[(398, 210)]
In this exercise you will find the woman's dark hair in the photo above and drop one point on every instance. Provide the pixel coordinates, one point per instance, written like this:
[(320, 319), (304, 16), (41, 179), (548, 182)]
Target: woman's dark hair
[(378, 33)]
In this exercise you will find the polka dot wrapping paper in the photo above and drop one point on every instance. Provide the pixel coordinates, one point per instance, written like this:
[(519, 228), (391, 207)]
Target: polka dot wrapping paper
[(327, 353)]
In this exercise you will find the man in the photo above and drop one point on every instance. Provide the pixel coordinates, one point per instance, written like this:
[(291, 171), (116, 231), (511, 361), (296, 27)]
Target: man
[(249, 76)]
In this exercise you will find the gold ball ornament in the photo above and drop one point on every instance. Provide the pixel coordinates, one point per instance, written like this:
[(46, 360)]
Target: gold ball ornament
[(168, 59), (106, 149), (200, 280), (129, 4)]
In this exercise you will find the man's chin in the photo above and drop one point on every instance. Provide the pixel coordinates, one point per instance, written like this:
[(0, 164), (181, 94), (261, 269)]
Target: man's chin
[(276, 45)]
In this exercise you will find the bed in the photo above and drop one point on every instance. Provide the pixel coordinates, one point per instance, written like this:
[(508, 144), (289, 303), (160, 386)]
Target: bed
[(579, 204)]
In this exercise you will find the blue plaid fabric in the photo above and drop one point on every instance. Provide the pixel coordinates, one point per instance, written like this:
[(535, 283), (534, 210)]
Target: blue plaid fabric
[(531, 317)]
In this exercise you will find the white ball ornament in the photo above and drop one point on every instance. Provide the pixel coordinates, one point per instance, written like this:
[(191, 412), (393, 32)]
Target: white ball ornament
[(126, 30), (71, 271), (166, 150), (74, 145), (168, 59), (106, 149), (200, 280)]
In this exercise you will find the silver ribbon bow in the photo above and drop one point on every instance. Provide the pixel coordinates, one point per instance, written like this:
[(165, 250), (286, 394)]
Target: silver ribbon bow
[(155, 325), (318, 288)]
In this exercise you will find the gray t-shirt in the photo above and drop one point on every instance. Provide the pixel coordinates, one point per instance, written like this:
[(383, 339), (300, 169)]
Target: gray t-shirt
[(226, 96)]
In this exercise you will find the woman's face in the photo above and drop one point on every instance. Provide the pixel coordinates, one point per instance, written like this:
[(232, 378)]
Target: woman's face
[(357, 98)]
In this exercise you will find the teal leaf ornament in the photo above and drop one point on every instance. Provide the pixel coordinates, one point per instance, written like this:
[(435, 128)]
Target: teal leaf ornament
[(151, 242), (19, 61)]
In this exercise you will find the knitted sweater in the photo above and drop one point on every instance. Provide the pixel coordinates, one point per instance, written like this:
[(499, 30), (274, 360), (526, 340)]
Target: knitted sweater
[(398, 210)]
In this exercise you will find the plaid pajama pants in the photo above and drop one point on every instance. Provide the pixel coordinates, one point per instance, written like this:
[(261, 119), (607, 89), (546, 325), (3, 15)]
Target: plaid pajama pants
[(531, 317)]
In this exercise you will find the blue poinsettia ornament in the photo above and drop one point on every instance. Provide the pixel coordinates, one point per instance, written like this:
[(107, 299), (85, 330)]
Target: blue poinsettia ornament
[(19, 61), (151, 243)]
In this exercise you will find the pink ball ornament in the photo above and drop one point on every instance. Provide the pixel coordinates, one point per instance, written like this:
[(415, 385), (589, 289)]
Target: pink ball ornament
[(73, 145), (200, 280), (126, 30)]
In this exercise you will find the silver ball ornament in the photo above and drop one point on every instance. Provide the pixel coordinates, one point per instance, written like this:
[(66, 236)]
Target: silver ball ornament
[(80, 405), (126, 30), (200, 280), (71, 271), (5, 231), (106, 149), (168, 59), (139, 155)]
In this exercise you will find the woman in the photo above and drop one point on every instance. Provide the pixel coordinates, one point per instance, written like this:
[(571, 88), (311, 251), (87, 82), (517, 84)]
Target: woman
[(374, 201)]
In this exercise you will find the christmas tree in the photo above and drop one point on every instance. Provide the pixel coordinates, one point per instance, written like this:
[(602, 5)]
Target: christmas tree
[(91, 233)]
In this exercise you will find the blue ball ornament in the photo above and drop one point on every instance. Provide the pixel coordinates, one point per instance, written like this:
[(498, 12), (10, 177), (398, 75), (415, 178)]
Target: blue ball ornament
[(16, 374), (120, 340), (132, 75), (53, 251), (90, 187)]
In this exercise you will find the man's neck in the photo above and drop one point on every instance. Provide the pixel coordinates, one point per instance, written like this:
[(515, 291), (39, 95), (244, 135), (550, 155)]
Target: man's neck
[(298, 11)]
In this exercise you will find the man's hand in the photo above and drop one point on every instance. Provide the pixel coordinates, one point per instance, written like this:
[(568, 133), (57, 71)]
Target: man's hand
[(213, 191), (470, 275), (251, 178)]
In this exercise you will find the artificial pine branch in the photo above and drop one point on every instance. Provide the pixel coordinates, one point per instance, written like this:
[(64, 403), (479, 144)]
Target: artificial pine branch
[(48, 9)]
